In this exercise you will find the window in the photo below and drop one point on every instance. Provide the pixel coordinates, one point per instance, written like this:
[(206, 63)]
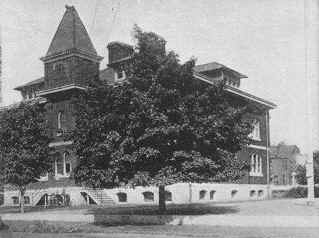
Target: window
[(59, 164), (168, 196), (122, 197), (212, 194), (255, 165), (255, 134), (63, 165), (15, 200), (60, 115), (58, 67), (67, 163), (120, 75), (233, 193), (252, 193), (148, 196), (26, 200), (60, 119), (260, 193), (202, 194)]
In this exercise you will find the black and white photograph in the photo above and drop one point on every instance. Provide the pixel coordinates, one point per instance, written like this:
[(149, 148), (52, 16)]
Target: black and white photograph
[(159, 118)]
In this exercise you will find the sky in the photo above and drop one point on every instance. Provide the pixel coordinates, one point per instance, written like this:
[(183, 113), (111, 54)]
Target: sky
[(263, 39)]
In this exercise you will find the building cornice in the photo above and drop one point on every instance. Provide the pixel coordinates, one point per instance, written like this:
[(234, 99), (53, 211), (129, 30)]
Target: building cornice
[(236, 91), (60, 89)]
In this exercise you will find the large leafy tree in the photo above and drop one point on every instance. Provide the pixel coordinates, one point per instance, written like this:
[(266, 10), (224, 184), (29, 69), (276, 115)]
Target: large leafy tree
[(301, 176), (160, 127), (24, 145)]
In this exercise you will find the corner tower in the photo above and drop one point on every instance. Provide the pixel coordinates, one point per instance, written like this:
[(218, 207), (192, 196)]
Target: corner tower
[(71, 61)]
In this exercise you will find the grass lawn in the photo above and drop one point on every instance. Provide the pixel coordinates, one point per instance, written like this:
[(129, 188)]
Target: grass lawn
[(184, 232)]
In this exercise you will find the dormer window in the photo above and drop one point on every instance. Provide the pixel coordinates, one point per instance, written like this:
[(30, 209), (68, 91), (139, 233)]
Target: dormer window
[(120, 75), (231, 81)]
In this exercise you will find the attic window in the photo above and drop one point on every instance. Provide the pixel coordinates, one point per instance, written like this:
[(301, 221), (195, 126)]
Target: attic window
[(58, 67)]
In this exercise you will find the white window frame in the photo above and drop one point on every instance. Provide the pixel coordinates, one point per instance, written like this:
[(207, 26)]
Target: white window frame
[(255, 134), (44, 178), (64, 174), (117, 79), (59, 119), (256, 165)]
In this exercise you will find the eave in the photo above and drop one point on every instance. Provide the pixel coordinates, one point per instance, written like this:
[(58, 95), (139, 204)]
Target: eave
[(60, 89), (237, 91)]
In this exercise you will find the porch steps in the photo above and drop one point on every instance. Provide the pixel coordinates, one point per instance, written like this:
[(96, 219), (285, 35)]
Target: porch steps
[(100, 196)]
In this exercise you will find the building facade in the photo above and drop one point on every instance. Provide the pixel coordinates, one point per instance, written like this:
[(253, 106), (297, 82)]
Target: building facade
[(70, 65), (283, 164)]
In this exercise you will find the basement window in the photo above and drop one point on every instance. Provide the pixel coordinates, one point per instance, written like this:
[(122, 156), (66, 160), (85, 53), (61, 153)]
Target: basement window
[(168, 196), (122, 197), (148, 196), (212, 194), (26, 200), (252, 193), (233, 193), (202, 194), (260, 193), (15, 200)]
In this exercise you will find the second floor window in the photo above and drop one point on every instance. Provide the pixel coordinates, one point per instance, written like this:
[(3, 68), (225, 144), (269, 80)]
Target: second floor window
[(255, 134), (63, 166), (60, 122)]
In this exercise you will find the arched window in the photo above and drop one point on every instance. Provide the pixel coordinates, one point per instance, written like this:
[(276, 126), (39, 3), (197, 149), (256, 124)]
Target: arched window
[(252, 193), (60, 119), (255, 134), (122, 197), (260, 193), (255, 165), (202, 194), (212, 194), (148, 196), (168, 196), (67, 163), (233, 193)]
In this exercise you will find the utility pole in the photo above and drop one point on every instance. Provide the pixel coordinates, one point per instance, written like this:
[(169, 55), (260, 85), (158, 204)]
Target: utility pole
[(312, 79)]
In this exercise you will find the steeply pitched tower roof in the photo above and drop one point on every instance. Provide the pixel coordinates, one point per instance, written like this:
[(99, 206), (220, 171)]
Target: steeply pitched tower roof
[(71, 34)]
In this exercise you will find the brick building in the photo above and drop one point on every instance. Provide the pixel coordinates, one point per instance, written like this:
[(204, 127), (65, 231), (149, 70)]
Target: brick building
[(283, 163), (70, 64)]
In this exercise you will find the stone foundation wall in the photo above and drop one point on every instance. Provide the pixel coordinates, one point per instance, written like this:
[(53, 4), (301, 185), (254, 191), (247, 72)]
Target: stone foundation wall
[(181, 193)]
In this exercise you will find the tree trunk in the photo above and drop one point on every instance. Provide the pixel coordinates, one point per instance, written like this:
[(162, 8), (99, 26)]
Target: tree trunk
[(161, 200), (22, 192)]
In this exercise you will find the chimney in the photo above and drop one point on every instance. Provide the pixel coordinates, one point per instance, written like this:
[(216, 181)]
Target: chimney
[(119, 51)]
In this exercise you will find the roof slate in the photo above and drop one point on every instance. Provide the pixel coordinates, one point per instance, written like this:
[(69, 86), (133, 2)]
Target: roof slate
[(71, 34)]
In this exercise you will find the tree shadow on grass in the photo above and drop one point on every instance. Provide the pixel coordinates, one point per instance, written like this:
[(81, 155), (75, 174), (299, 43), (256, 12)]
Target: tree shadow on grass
[(172, 209), (150, 215)]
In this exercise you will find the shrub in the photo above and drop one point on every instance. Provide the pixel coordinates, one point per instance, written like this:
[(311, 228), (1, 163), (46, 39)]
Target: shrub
[(300, 192)]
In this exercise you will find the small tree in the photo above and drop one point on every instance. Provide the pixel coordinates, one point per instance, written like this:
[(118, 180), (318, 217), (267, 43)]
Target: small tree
[(160, 127), (24, 146)]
